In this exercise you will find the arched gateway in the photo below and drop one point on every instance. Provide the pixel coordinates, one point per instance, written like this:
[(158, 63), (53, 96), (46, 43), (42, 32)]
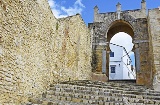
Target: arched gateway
[(132, 22)]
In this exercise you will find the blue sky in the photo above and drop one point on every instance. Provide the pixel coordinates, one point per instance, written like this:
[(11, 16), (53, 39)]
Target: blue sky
[(64, 8)]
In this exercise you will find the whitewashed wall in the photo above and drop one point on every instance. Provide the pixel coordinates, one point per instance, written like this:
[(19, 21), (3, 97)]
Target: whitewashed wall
[(121, 62)]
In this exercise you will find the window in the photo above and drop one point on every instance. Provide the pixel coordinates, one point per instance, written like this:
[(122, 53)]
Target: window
[(113, 69), (127, 62), (128, 74), (111, 54)]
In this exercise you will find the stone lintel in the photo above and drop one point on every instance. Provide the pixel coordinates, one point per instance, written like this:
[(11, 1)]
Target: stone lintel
[(140, 41), (101, 44)]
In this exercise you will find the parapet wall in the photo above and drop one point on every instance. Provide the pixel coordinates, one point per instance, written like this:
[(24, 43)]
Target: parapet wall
[(154, 29), (136, 14), (37, 50)]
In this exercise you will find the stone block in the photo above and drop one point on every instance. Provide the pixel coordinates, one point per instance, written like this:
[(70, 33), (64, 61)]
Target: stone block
[(139, 96), (68, 98), (99, 77), (85, 101), (77, 100)]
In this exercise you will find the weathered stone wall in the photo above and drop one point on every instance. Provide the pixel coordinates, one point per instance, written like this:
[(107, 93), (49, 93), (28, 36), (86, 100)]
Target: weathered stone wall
[(26, 29), (154, 29), (101, 17), (36, 49), (74, 49), (137, 13)]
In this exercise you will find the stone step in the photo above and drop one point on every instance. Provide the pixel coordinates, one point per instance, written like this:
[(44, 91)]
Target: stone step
[(107, 85), (96, 99), (98, 93), (87, 102), (74, 101), (92, 90), (103, 94), (132, 97)]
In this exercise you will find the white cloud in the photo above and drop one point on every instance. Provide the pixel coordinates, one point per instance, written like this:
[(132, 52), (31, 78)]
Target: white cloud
[(123, 39), (60, 11), (79, 2)]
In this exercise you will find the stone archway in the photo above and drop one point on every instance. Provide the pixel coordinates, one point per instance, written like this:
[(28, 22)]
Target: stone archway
[(105, 25), (119, 26), (116, 27)]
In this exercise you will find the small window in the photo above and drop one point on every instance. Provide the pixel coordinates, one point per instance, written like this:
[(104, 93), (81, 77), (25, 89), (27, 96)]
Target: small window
[(128, 74), (113, 69), (127, 62), (111, 54)]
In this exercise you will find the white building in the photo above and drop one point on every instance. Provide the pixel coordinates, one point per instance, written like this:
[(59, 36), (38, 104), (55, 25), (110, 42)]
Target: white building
[(120, 64)]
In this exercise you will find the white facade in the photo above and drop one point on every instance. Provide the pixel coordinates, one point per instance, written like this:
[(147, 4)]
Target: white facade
[(120, 64)]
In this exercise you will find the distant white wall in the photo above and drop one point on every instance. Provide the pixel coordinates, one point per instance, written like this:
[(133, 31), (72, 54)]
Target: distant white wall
[(122, 64), (118, 52), (126, 66), (127, 72), (118, 71), (116, 61)]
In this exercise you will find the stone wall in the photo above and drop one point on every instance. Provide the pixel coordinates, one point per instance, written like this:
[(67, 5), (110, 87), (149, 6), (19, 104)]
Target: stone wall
[(137, 13), (36, 49), (154, 29), (74, 49)]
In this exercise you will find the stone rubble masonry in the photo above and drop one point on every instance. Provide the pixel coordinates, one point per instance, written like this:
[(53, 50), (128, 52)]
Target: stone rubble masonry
[(75, 48), (154, 27), (36, 49), (100, 17)]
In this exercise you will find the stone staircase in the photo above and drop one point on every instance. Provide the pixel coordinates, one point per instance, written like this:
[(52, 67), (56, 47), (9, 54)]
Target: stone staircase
[(98, 93)]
